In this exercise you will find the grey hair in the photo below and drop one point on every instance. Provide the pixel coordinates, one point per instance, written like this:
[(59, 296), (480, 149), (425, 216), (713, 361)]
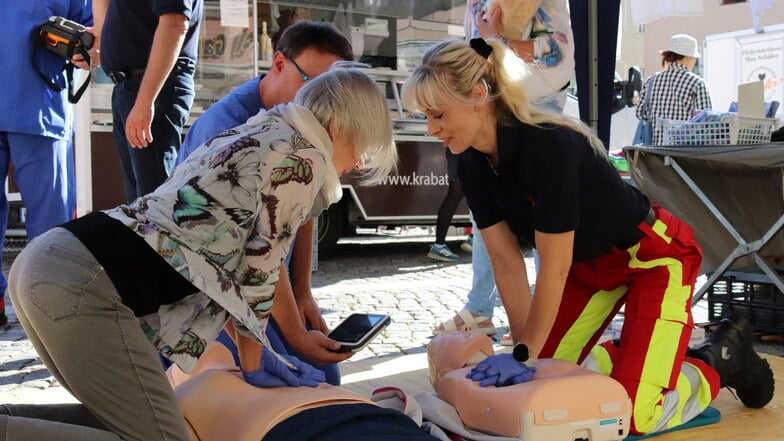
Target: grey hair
[(350, 100), (451, 68)]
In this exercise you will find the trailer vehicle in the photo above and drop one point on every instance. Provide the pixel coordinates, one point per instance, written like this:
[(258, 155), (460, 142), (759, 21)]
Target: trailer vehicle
[(409, 197)]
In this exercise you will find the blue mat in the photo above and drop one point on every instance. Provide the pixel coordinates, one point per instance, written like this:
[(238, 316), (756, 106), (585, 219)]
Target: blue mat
[(708, 416)]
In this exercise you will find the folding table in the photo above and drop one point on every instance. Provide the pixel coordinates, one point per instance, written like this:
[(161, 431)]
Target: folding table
[(733, 197)]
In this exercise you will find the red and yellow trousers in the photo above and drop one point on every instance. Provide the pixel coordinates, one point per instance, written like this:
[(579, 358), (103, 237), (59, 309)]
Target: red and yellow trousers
[(654, 279)]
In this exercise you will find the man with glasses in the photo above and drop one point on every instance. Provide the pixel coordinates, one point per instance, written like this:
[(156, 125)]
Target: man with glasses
[(302, 73), (305, 50)]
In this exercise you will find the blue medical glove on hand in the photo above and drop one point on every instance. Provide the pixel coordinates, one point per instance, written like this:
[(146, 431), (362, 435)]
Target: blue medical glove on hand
[(501, 370), (275, 373)]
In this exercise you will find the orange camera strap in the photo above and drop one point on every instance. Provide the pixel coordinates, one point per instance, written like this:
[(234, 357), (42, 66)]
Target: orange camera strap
[(73, 47)]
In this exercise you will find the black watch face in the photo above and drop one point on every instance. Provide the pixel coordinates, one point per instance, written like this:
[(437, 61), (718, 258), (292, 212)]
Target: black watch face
[(520, 352)]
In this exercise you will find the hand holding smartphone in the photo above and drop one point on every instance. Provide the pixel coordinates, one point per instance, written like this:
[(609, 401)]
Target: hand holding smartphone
[(357, 330)]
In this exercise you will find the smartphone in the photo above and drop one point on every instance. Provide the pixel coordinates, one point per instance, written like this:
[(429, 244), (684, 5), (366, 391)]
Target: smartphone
[(357, 330)]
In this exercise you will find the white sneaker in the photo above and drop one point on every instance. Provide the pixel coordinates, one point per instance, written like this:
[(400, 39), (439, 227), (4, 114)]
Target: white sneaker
[(468, 245)]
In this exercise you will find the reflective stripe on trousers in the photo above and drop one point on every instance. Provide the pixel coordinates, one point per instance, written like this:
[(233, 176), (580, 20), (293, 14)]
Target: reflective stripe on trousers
[(654, 279)]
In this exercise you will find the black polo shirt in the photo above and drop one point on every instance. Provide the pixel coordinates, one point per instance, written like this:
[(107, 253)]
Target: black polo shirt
[(550, 179), (129, 27)]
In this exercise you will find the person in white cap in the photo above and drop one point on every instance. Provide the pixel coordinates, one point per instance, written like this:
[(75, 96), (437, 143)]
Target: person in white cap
[(675, 92)]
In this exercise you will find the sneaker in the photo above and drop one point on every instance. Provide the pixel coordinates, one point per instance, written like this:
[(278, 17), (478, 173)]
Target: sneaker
[(3, 317), (468, 245), (730, 351), (443, 253)]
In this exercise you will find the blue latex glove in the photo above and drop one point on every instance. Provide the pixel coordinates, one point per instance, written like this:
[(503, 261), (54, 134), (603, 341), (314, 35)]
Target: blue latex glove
[(501, 370), (275, 373)]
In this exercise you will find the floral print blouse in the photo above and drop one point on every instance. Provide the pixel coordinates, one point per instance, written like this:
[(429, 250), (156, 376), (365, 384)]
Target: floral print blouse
[(225, 220), (551, 32)]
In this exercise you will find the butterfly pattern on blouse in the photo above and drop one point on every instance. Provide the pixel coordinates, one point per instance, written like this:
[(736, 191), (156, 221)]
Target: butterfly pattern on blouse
[(219, 258), (193, 204), (260, 306), (258, 243), (190, 344), (240, 178), (253, 277), (297, 142), (292, 168), (239, 216), (154, 337), (223, 134), (171, 252), (226, 153), (139, 206), (292, 217), (247, 140), (226, 282)]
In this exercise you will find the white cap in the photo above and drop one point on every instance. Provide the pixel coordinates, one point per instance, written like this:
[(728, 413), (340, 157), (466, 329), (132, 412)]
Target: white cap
[(683, 44)]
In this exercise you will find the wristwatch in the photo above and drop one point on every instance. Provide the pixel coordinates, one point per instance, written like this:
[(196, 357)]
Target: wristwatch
[(520, 352)]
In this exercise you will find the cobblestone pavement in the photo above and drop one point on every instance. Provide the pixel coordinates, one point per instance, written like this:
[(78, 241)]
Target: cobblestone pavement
[(393, 276)]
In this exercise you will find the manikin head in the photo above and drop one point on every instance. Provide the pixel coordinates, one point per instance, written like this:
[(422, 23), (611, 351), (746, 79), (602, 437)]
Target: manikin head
[(455, 350)]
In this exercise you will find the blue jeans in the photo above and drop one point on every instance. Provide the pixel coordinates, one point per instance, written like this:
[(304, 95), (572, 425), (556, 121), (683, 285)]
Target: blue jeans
[(44, 173), (484, 294), (146, 168)]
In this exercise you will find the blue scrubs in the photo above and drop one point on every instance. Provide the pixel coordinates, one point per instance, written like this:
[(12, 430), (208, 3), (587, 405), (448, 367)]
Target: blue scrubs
[(230, 111), (36, 123)]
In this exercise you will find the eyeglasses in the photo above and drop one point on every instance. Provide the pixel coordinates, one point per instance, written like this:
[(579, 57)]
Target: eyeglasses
[(302, 73)]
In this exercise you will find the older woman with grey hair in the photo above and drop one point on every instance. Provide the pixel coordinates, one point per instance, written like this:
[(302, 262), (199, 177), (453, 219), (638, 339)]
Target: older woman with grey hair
[(203, 250)]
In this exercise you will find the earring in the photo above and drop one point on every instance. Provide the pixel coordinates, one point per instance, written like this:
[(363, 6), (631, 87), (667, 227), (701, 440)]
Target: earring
[(476, 108)]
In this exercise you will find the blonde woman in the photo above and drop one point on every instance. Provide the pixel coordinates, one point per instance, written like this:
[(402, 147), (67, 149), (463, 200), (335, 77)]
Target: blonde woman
[(169, 270), (541, 179)]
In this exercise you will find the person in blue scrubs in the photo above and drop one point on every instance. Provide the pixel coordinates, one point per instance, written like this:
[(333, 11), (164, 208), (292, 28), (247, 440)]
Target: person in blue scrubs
[(306, 49), (36, 121)]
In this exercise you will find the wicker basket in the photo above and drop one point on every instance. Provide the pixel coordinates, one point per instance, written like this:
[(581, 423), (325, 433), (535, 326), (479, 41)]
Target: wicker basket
[(732, 130)]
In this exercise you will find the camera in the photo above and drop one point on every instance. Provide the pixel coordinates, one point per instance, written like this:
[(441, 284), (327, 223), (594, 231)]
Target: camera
[(63, 37)]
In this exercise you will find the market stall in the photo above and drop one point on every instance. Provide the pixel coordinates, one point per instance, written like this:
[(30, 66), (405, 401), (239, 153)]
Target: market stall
[(733, 197)]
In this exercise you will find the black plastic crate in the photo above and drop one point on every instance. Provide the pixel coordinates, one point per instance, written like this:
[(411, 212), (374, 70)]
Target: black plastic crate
[(752, 293)]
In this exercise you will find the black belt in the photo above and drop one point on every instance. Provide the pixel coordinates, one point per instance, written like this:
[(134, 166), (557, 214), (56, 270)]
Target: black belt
[(118, 76), (634, 236)]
